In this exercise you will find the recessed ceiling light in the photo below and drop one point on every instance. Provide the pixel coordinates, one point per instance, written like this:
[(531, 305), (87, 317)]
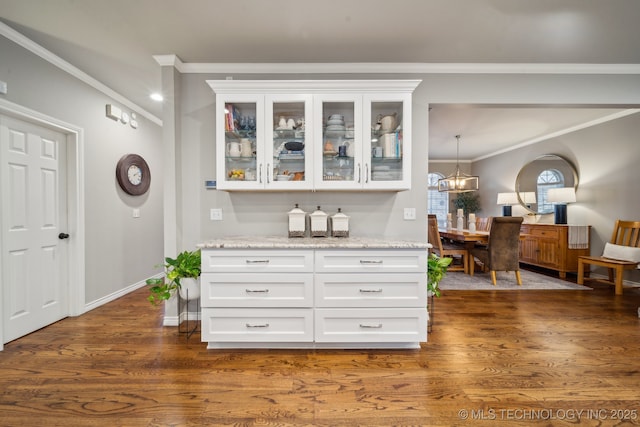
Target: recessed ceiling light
[(157, 97)]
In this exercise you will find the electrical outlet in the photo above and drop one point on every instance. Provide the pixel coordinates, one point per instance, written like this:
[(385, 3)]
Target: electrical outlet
[(409, 214), (215, 214)]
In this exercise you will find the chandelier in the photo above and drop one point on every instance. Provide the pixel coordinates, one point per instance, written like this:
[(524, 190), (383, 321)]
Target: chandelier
[(458, 182)]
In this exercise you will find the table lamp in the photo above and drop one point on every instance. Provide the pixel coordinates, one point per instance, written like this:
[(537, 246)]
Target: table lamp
[(507, 200), (560, 197), (528, 198)]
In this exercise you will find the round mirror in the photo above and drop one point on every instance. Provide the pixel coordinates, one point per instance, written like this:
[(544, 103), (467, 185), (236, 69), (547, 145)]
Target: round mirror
[(537, 177)]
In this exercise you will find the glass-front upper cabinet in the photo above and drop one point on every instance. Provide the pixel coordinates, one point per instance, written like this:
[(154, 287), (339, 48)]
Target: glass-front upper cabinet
[(388, 122), (289, 148), (338, 136), (240, 158), (313, 134)]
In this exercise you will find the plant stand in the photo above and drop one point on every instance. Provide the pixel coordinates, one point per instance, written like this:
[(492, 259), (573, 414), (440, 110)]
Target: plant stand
[(183, 308)]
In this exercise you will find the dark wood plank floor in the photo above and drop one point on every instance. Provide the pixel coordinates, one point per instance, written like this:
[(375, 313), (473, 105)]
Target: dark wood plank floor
[(494, 358)]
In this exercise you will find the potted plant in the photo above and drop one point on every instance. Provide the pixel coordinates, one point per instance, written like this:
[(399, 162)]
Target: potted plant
[(469, 203), (436, 270), (181, 272)]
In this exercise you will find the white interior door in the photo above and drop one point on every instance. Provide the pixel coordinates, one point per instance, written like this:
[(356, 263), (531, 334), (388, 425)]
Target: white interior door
[(34, 214)]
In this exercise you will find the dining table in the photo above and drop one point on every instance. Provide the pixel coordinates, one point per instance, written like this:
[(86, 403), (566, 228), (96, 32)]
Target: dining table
[(467, 237)]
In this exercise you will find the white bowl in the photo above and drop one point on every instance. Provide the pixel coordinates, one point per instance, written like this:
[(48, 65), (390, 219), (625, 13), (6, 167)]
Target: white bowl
[(283, 177)]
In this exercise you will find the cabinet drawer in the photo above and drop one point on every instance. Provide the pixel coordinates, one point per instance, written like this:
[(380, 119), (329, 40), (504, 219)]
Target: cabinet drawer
[(371, 261), (257, 325), (371, 325), (257, 261), (257, 290), (371, 290), (547, 232)]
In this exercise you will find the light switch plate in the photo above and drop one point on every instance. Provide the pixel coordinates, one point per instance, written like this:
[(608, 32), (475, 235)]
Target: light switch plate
[(3, 87), (215, 214), (136, 213), (409, 214)]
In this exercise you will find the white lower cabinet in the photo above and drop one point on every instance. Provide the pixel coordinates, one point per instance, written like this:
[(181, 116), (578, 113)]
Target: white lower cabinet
[(370, 325), (345, 298), (229, 325)]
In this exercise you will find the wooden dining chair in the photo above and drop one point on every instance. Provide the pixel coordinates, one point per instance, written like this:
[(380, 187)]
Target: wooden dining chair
[(620, 254), (502, 250), (483, 224), (445, 249)]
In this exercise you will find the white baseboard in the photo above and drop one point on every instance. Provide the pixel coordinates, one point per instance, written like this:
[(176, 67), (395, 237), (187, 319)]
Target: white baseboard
[(173, 320), (114, 296)]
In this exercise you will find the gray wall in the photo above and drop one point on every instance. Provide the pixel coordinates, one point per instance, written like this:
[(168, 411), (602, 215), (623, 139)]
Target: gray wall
[(607, 157), (380, 213), (119, 250), (372, 214)]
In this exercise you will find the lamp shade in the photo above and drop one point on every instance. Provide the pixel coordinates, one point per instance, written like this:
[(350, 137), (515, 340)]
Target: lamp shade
[(561, 195), (528, 197), (507, 198)]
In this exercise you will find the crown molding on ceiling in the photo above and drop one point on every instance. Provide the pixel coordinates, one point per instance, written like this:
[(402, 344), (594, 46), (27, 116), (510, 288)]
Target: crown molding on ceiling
[(55, 60), (392, 68), (565, 131)]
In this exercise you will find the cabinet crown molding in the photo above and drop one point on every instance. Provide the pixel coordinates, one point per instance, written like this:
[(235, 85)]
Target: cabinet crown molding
[(312, 86)]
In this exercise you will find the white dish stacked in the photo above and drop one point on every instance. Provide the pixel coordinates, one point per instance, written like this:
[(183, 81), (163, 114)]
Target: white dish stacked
[(335, 126)]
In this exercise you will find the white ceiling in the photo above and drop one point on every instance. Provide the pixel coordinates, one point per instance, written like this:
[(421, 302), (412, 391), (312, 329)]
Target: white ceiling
[(114, 41)]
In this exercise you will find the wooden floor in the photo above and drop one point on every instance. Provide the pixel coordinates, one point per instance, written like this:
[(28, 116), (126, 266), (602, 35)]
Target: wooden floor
[(494, 358)]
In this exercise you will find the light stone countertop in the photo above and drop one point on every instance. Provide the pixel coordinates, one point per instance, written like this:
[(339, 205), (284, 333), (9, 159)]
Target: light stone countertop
[(283, 242)]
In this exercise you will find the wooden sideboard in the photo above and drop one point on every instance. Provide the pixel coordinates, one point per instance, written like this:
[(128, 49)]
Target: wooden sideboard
[(547, 246)]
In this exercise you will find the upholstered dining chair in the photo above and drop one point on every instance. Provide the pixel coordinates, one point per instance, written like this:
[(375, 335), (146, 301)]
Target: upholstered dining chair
[(445, 249), (502, 250)]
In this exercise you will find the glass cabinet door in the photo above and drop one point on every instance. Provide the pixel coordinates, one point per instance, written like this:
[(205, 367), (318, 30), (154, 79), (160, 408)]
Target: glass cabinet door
[(387, 155), (289, 148), (339, 140), (241, 154)]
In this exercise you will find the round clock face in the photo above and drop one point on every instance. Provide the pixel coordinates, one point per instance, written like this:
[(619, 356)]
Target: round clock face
[(133, 175)]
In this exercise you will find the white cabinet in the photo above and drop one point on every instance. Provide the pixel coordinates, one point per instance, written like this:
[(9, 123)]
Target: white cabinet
[(314, 298), (260, 296), (261, 141), (313, 135), (376, 138)]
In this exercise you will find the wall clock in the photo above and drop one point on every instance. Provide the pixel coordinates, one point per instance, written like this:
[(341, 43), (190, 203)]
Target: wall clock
[(133, 175)]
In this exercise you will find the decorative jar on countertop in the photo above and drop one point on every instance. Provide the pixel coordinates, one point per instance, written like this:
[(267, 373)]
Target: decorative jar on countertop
[(340, 224), (297, 222), (319, 224)]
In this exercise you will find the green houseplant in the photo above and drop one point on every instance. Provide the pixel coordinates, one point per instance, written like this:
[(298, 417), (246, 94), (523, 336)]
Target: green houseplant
[(436, 270), (469, 202), (185, 266)]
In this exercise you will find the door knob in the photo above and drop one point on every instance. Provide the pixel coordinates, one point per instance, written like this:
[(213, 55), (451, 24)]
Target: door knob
[(63, 236)]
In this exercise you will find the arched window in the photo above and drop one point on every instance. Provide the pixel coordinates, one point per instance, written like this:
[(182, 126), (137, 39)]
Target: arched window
[(549, 178), (438, 202)]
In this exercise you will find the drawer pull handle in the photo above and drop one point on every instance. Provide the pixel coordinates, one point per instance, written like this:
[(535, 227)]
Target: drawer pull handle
[(365, 261), (257, 325), (257, 261), (371, 291), (257, 291), (376, 326)]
